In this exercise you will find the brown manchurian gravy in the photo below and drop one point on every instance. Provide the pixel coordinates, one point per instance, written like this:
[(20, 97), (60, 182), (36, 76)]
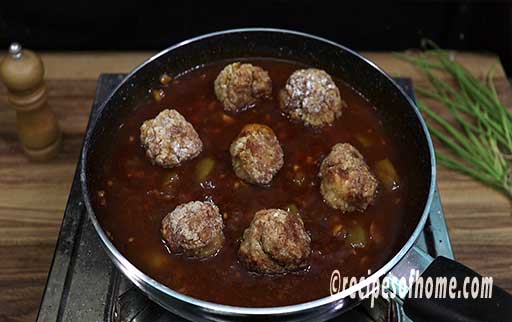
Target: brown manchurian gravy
[(136, 195)]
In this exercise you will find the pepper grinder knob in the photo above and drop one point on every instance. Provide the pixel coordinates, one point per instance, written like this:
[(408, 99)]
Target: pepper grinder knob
[(22, 72), (15, 50)]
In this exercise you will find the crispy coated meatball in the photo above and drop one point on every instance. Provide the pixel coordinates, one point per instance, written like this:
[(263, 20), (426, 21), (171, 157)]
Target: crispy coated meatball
[(347, 183), (194, 229), (275, 242), (170, 139), (311, 96), (238, 86), (256, 154)]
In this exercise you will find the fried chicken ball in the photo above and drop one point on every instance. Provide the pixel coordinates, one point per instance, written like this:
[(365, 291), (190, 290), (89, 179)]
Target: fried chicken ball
[(256, 154), (311, 96), (347, 183), (275, 242), (169, 139), (239, 86), (194, 229)]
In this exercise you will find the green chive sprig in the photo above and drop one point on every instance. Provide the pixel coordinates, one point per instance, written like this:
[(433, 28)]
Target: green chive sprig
[(480, 139)]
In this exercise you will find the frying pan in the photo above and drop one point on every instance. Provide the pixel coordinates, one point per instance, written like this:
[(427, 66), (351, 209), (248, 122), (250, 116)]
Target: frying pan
[(397, 112)]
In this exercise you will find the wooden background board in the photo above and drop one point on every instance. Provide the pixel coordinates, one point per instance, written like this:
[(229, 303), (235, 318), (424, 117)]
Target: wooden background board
[(33, 195)]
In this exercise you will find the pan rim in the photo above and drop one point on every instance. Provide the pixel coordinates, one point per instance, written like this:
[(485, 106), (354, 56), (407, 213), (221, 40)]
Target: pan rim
[(134, 273)]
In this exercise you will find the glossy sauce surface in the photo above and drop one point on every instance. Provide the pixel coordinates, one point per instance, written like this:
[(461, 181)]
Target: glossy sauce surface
[(134, 195)]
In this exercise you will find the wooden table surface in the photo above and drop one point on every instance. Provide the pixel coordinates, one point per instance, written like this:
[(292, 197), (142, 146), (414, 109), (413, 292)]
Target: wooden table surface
[(33, 195)]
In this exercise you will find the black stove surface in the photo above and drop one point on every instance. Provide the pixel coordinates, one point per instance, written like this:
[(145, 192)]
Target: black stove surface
[(85, 286)]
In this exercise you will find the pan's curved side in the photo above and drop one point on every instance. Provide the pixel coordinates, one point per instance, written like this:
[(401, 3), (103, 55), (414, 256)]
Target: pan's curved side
[(395, 109)]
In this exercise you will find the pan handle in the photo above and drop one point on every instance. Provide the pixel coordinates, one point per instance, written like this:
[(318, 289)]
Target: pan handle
[(453, 292)]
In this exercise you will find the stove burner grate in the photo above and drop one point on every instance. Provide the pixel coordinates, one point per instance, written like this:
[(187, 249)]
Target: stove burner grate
[(84, 286)]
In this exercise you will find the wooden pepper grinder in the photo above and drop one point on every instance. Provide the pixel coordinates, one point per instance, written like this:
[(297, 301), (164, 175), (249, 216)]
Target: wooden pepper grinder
[(22, 72)]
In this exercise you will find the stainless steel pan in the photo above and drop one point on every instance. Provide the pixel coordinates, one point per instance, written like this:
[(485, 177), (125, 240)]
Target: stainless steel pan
[(397, 111)]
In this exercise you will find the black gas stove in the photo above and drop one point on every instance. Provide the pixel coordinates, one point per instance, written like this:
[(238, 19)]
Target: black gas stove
[(85, 286)]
